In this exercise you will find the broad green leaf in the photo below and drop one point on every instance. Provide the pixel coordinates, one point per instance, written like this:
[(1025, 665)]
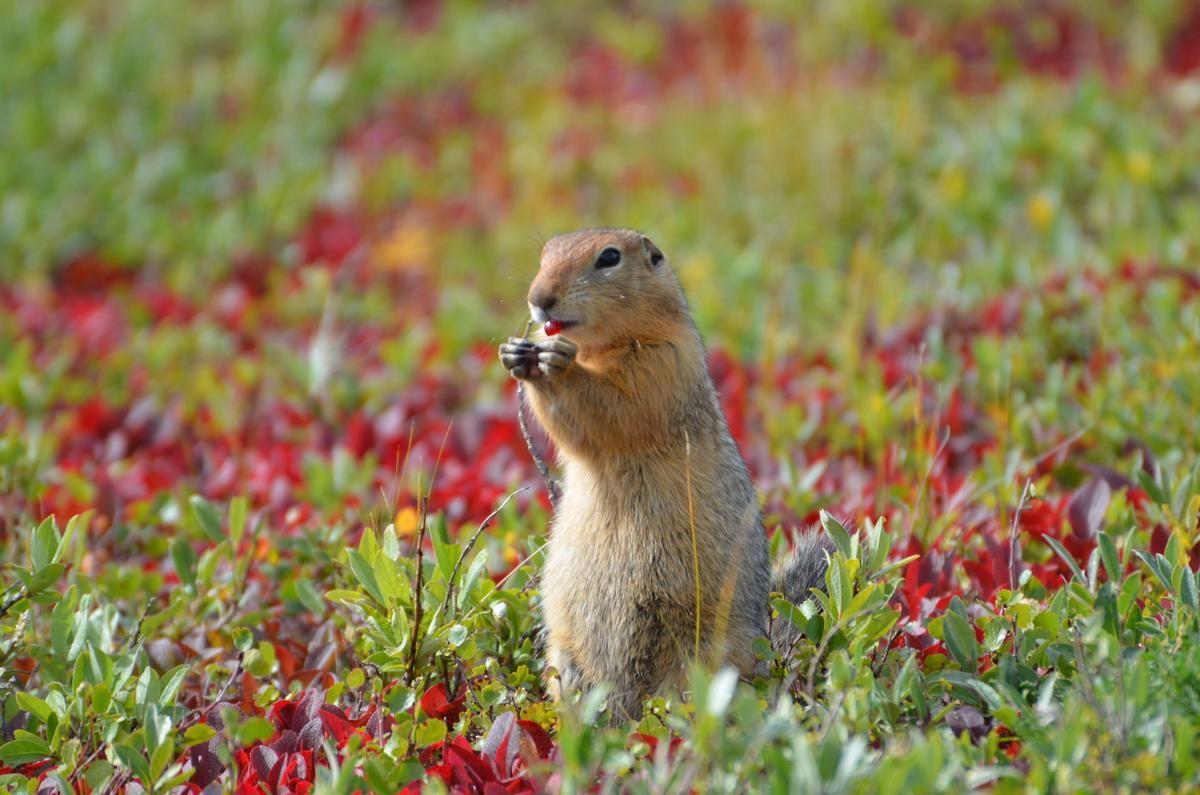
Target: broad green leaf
[(198, 733), (1108, 551), (243, 639), (1187, 587), (960, 640), (184, 558), (34, 705), (171, 682), (238, 508), (365, 574), (309, 597), (101, 699), (44, 544), (429, 732), (45, 577), (837, 532), (253, 730), (457, 635), (835, 579), (29, 748), (207, 518), (162, 756), (62, 621), (133, 760)]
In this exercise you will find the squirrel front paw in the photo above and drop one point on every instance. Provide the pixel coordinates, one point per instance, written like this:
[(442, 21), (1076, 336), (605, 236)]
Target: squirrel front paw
[(520, 358), (555, 355)]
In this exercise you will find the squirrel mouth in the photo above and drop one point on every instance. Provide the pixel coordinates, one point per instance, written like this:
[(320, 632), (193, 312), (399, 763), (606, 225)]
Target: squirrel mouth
[(555, 326), (552, 325)]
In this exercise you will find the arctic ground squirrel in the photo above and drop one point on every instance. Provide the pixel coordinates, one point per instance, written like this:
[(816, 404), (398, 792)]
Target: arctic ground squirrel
[(655, 491)]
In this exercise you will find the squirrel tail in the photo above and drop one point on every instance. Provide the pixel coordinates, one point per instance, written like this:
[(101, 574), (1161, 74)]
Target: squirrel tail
[(794, 576)]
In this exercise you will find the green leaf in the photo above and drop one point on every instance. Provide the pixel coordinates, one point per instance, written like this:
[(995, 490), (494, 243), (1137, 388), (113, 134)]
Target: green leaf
[(445, 551), (162, 756), (1069, 559), (836, 582), (44, 544), (368, 546), (184, 558), (62, 620), (474, 572), (101, 699), (32, 704), (789, 611), (1187, 587), (987, 693), (344, 596), (133, 760), (879, 543), (309, 597), (837, 533), (253, 730), (171, 682), (238, 508), (1152, 563), (207, 518), (198, 733), (76, 525), (391, 543), (1151, 486), (720, 692), (243, 639), (1108, 552), (429, 732), (29, 748), (457, 635), (960, 640), (44, 578), (365, 574)]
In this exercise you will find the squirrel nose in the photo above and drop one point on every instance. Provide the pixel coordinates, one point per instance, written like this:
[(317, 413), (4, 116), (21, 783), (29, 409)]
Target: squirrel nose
[(543, 301)]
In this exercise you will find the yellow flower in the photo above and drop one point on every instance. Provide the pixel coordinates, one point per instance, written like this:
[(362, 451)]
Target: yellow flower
[(1040, 210), (407, 520), (1139, 165)]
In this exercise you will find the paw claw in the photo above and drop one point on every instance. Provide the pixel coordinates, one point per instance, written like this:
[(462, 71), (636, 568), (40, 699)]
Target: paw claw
[(519, 357)]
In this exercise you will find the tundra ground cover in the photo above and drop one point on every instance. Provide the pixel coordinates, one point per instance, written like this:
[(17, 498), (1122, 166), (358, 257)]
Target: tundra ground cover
[(257, 260)]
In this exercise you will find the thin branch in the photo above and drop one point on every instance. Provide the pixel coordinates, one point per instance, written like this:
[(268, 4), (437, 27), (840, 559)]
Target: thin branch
[(449, 600), (12, 600), (422, 531)]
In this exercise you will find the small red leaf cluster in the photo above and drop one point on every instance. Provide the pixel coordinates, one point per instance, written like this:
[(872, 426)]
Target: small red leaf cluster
[(505, 764), (285, 763)]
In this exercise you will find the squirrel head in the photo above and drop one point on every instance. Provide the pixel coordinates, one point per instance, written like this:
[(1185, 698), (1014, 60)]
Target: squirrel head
[(606, 288)]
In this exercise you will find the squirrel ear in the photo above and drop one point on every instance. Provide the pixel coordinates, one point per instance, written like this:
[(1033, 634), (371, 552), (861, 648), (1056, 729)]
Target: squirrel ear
[(652, 251)]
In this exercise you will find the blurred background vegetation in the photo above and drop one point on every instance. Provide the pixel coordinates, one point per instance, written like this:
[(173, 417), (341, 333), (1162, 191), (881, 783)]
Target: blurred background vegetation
[(809, 164)]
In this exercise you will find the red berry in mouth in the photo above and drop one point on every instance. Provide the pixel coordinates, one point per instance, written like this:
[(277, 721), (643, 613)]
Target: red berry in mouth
[(553, 327)]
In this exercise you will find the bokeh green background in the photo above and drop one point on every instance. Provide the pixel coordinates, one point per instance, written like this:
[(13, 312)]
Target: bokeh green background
[(837, 163)]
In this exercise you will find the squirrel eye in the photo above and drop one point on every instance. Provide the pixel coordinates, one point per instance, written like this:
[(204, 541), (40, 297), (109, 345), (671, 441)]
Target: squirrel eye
[(608, 258)]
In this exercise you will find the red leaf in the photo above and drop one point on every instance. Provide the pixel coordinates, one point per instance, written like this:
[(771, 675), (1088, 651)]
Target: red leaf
[(469, 769), (1087, 507), (436, 704)]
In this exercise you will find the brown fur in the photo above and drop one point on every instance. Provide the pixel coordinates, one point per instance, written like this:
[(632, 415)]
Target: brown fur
[(628, 400)]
